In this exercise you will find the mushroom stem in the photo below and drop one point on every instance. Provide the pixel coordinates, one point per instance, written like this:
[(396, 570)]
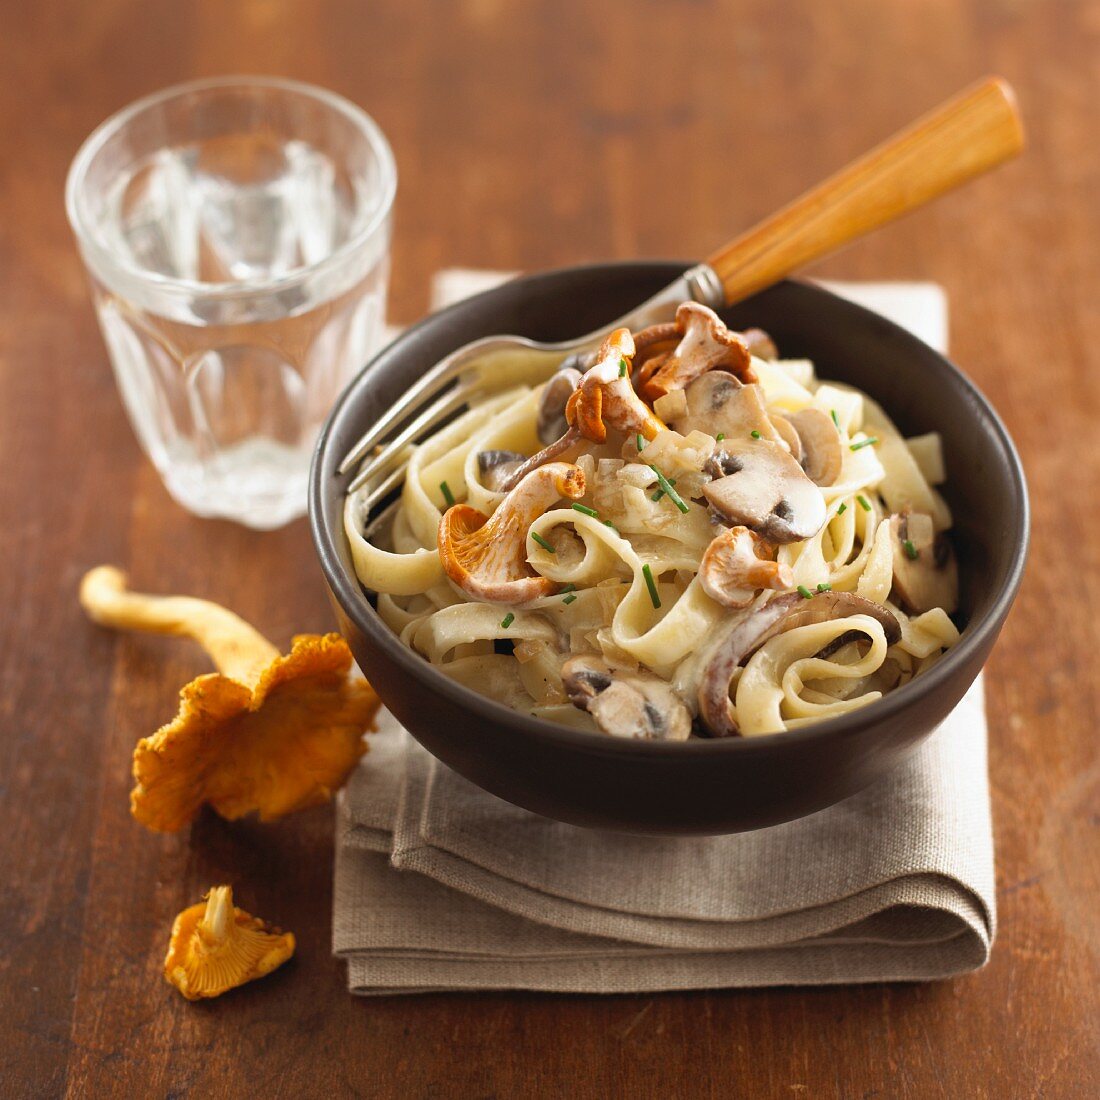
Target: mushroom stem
[(219, 912), (238, 650)]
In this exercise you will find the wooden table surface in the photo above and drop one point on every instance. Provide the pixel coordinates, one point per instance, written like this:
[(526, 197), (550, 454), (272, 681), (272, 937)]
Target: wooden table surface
[(528, 136)]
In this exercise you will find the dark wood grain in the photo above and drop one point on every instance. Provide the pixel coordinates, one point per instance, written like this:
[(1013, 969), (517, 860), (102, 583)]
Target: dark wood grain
[(530, 135)]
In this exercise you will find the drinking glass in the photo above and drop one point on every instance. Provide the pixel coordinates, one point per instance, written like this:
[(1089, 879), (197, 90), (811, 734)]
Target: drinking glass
[(236, 233)]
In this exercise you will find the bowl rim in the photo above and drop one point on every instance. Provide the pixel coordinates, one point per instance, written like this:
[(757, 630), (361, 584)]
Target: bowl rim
[(347, 590)]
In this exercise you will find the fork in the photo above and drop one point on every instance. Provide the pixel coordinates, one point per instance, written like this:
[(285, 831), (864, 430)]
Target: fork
[(969, 134)]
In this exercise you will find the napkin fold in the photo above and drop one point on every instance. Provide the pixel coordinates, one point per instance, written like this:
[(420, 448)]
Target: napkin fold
[(441, 886)]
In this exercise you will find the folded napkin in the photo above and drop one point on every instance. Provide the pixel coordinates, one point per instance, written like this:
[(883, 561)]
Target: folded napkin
[(441, 886)]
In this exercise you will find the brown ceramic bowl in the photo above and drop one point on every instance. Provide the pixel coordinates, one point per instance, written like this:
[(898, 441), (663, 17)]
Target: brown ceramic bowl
[(698, 786)]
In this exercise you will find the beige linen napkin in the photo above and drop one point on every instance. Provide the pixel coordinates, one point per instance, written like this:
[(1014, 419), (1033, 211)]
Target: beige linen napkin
[(440, 886)]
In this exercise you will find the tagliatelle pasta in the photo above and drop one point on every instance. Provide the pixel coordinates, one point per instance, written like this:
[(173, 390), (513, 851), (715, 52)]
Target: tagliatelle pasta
[(671, 536)]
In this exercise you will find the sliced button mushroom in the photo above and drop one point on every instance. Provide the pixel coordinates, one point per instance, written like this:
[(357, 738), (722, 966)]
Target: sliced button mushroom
[(626, 703), (749, 632), (720, 405), (496, 467), (759, 485), (760, 344), (705, 345), (550, 422), (737, 564), (786, 432), (926, 574), (486, 556), (821, 454)]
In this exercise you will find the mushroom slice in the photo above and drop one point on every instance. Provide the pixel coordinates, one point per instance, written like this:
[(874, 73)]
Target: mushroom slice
[(821, 456), (926, 574), (705, 344), (626, 703), (758, 484), (718, 404), (550, 421), (605, 397), (751, 630), (486, 556), (497, 467), (737, 564), (786, 432), (760, 344)]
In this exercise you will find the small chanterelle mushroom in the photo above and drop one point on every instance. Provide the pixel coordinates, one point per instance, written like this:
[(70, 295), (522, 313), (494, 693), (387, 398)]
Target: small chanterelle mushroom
[(926, 574), (737, 564), (626, 703), (486, 556), (216, 947), (705, 344), (605, 397), (265, 734), (759, 485)]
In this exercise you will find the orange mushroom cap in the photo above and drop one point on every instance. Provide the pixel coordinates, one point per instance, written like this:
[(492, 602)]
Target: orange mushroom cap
[(267, 734)]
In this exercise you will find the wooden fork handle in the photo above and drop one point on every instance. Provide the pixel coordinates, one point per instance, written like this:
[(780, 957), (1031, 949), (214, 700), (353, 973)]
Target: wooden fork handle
[(961, 139)]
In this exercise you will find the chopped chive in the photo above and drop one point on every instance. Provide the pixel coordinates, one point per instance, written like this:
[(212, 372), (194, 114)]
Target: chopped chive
[(871, 439), (622, 367), (507, 621), (448, 496), (570, 598), (911, 552), (651, 585), (824, 587), (755, 434), (804, 592), (842, 509), (719, 437), (543, 543), (641, 442), (668, 488), (608, 523), (585, 510), (660, 492), (832, 413), (569, 588), (864, 503)]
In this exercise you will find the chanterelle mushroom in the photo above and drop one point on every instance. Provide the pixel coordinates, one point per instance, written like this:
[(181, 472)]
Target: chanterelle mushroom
[(605, 397), (820, 453), (626, 703), (720, 405), (216, 947), (265, 734), (705, 344), (737, 564), (751, 630), (758, 484), (486, 556), (926, 574)]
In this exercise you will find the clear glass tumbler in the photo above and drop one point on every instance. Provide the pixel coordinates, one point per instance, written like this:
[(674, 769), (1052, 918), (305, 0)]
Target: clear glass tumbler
[(237, 234)]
